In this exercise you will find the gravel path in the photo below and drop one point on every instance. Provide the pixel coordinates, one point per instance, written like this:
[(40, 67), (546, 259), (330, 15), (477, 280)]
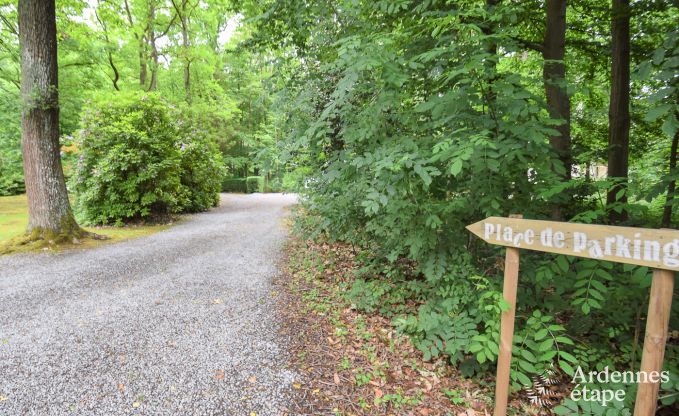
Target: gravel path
[(178, 323)]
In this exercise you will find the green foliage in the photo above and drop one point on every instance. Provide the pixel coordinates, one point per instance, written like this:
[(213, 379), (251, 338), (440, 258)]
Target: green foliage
[(11, 168), (234, 185), (255, 184), (201, 166), (406, 121), (140, 159)]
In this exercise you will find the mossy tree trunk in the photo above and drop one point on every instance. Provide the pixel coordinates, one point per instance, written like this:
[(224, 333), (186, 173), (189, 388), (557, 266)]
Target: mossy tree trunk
[(50, 215)]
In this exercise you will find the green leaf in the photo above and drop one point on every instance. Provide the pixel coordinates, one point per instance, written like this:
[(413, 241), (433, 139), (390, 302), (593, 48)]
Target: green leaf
[(567, 368), (540, 334), (658, 111), (546, 345), (456, 167)]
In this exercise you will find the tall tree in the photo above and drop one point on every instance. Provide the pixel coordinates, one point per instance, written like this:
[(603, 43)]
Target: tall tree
[(50, 215), (141, 41), (554, 74), (671, 186), (182, 10), (618, 110)]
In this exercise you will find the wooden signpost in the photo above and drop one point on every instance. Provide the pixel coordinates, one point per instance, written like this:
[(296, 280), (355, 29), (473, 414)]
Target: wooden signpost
[(658, 249)]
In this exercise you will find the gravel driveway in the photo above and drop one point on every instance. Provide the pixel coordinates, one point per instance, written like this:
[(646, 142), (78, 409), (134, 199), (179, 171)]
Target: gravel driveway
[(179, 323)]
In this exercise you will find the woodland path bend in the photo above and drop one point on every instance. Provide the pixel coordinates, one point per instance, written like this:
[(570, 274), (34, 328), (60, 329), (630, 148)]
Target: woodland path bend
[(179, 323)]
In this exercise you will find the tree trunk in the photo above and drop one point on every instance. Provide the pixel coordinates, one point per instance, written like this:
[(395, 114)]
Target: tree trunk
[(49, 210), (187, 44), (618, 111), (153, 85), (667, 211), (554, 75), (142, 62), (183, 14), (187, 60), (116, 74)]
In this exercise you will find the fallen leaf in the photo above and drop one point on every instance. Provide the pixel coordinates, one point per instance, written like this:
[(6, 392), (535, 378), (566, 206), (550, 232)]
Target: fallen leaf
[(378, 392), (297, 386), (336, 378), (136, 404), (219, 375), (253, 414), (252, 379), (121, 387), (3, 398)]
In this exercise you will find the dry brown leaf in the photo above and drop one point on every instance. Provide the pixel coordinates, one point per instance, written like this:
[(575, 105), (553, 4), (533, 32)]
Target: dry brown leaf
[(219, 375), (336, 378)]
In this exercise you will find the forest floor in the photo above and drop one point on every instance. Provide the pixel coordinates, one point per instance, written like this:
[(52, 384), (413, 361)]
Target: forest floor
[(184, 321), (354, 362), (14, 220)]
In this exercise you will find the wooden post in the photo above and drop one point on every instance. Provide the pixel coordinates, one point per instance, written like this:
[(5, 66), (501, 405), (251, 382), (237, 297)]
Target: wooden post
[(511, 282), (659, 307)]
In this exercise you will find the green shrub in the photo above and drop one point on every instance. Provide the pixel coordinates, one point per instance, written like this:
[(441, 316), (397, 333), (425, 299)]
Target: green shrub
[(138, 158), (234, 185), (273, 185), (202, 168), (11, 166), (11, 178), (255, 184)]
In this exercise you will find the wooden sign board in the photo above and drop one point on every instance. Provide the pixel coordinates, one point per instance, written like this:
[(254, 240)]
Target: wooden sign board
[(641, 246), (658, 249)]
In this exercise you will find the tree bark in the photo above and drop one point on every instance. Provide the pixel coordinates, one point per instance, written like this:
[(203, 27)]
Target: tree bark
[(141, 40), (671, 187), (142, 62), (49, 210), (554, 75), (618, 111), (187, 44), (116, 74), (153, 84), (183, 14)]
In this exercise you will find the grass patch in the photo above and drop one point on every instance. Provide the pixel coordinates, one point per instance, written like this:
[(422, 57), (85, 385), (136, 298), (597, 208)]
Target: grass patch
[(14, 220)]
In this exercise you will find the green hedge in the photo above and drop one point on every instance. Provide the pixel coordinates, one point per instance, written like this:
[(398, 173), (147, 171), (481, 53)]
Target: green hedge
[(255, 184), (249, 185), (234, 185)]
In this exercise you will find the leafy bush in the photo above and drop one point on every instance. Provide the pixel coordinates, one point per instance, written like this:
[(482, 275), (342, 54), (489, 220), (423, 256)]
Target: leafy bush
[(138, 158), (11, 178), (201, 164), (234, 185), (255, 184), (11, 168), (408, 132)]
